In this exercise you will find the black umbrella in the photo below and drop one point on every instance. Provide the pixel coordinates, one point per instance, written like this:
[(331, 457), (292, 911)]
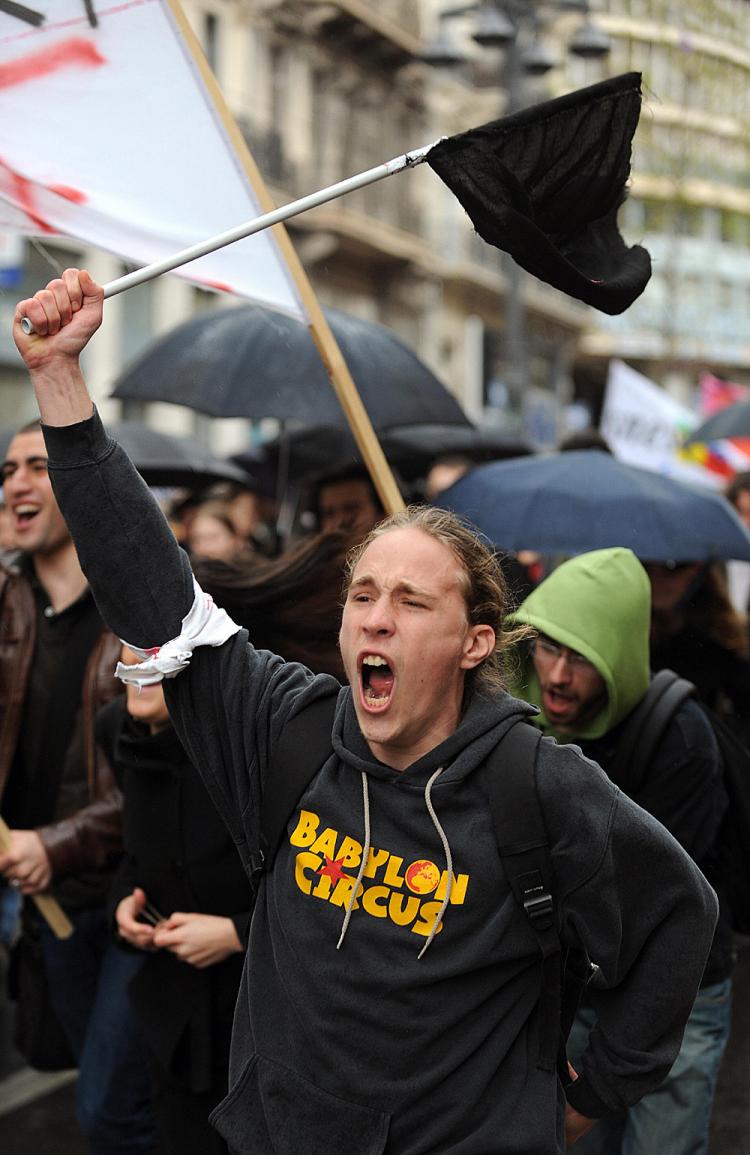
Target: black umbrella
[(254, 362), (732, 421), (570, 503), (163, 459), (415, 447), (410, 450)]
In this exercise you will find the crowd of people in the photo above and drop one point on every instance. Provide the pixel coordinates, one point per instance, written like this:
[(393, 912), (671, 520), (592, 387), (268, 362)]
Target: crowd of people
[(297, 924)]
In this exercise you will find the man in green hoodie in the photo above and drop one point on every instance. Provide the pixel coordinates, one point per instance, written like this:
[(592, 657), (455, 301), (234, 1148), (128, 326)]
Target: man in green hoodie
[(588, 668)]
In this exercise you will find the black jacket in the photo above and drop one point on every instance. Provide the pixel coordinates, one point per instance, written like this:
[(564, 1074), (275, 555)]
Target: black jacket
[(683, 790), (721, 677), (179, 851)]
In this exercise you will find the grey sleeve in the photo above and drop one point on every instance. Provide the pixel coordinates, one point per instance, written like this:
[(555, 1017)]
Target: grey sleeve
[(139, 576), (644, 913)]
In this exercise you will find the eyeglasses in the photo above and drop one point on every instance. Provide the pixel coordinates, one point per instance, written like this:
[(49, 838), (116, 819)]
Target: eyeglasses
[(549, 651)]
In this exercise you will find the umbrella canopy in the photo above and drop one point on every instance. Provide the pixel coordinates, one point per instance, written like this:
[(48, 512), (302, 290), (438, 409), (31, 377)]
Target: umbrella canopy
[(410, 450), (414, 448), (732, 421), (163, 459), (254, 362), (570, 503)]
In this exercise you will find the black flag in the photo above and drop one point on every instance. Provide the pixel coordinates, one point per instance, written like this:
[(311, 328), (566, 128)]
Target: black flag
[(545, 185)]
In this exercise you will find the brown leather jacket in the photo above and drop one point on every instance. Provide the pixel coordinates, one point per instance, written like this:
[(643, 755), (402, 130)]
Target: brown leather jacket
[(91, 837)]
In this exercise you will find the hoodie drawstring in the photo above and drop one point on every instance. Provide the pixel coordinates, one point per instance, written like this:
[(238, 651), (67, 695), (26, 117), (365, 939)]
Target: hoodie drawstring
[(366, 854), (448, 858), (363, 863)]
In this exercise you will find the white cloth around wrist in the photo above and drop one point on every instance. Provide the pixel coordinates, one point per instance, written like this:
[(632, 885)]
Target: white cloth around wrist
[(204, 625)]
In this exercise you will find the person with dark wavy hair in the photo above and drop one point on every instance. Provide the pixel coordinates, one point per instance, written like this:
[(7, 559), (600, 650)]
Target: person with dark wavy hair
[(291, 604)]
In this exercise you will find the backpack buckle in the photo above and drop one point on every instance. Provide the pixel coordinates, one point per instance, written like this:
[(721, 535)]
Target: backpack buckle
[(537, 903), (255, 864)]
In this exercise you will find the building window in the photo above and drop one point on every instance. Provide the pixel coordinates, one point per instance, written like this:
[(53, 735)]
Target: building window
[(136, 329), (632, 216), (211, 40), (277, 61), (725, 295), (656, 216), (734, 228)]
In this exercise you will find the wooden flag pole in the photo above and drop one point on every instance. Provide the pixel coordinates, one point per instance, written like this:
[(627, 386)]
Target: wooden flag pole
[(47, 906), (338, 371)]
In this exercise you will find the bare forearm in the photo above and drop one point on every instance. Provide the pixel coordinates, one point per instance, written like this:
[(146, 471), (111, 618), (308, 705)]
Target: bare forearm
[(61, 393)]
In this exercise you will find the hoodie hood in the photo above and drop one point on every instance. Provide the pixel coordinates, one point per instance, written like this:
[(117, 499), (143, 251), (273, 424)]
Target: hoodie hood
[(598, 604), (483, 723)]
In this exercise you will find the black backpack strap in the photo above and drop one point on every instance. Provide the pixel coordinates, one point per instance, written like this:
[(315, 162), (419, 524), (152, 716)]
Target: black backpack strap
[(303, 747), (645, 727), (524, 851)]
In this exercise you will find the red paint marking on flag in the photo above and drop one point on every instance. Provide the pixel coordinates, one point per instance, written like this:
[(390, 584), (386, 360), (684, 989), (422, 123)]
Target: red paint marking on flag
[(152, 651), (218, 285), (75, 52), (25, 194), (69, 194)]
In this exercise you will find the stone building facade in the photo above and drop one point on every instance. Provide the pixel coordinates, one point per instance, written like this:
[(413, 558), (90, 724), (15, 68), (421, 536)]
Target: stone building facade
[(321, 91), (690, 196)]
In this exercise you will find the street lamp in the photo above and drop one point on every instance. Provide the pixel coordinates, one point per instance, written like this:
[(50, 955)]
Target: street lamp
[(590, 42), (515, 27), (494, 29)]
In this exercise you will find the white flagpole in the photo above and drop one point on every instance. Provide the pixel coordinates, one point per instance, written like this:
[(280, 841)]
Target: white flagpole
[(266, 221)]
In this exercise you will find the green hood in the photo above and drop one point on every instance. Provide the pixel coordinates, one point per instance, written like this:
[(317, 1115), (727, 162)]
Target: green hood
[(600, 605)]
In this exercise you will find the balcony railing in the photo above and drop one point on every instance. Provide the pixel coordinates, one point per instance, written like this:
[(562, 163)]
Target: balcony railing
[(269, 154), (389, 201), (404, 13)]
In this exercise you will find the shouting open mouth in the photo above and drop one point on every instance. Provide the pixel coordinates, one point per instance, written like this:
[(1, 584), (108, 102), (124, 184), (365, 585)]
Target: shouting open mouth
[(376, 682)]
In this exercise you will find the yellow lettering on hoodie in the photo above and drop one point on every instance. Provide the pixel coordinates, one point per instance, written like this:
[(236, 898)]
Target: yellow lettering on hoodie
[(371, 901), (325, 843), (349, 853), (307, 828), (305, 861), (458, 890), (428, 913), (402, 908), (323, 889), (375, 860), (392, 876), (340, 896)]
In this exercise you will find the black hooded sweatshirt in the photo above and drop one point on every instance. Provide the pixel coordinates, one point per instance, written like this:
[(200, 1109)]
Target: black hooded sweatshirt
[(366, 1041)]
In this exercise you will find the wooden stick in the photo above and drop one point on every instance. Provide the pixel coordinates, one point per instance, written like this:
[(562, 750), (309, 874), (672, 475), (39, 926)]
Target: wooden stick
[(338, 371), (48, 907)]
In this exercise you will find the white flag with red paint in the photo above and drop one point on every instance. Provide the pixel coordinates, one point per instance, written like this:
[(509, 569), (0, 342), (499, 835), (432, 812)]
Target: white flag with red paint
[(109, 135)]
